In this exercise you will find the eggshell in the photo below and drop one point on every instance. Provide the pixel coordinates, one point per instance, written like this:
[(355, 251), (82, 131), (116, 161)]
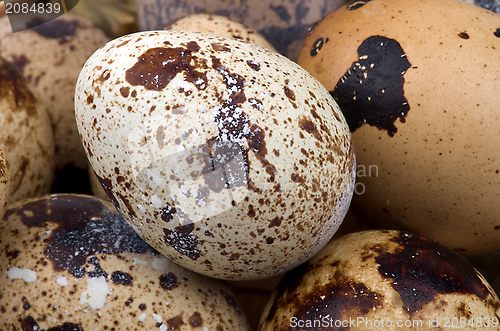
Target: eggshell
[(383, 280), (95, 185), (214, 151), (5, 180), (253, 296), (284, 23), (70, 262), (219, 25), (50, 56), (26, 136), (416, 82)]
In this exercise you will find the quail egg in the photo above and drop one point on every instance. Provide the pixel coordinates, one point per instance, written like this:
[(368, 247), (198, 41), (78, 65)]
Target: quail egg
[(225, 156)]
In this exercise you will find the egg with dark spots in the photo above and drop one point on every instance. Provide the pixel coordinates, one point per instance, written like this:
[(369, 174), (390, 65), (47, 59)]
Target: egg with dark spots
[(50, 57), (415, 81), (219, 25), (284, 23), (382, 279), (202, 155), (71, 262)]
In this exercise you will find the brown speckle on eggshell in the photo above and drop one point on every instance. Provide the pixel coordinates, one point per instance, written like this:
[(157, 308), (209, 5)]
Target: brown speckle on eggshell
[(229, 166), (95, 185), (71, 262)]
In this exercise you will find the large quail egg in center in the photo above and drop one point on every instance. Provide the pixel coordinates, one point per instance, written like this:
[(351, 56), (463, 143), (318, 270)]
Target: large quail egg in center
[(225, 156)]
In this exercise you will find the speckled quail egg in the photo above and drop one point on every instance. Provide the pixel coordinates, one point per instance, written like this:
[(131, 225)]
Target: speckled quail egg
[(71, 262), (416, 82), (26, 136), (50, 56), (383, 280), (284, 23), (219, 25), (225, 156), (5, 180)]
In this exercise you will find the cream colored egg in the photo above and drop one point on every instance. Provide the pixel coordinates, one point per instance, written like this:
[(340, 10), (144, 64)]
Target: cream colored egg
[(383, 280), (219, 25), (71, 262), (115, 17), (50, 56), (224, 155), (5, 180), (416, 81), (26, 136)]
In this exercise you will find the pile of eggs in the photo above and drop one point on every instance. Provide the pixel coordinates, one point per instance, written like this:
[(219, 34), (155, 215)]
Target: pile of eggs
[(294, 165)]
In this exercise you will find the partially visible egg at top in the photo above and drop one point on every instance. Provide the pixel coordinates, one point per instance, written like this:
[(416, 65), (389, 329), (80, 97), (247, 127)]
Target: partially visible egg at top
[(416, 81), (225, 156), (5, 181)]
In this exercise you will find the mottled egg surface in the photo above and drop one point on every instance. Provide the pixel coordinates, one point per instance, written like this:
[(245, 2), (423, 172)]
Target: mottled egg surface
[(219, 25), (26, 136), (383, 280), (415, 80), (71, 262), (5, 180), (284, 23), (225, 156), (50, 57)]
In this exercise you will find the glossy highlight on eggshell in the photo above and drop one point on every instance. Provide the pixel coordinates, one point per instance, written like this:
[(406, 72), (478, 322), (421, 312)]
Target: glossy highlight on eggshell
[(215, 152)]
